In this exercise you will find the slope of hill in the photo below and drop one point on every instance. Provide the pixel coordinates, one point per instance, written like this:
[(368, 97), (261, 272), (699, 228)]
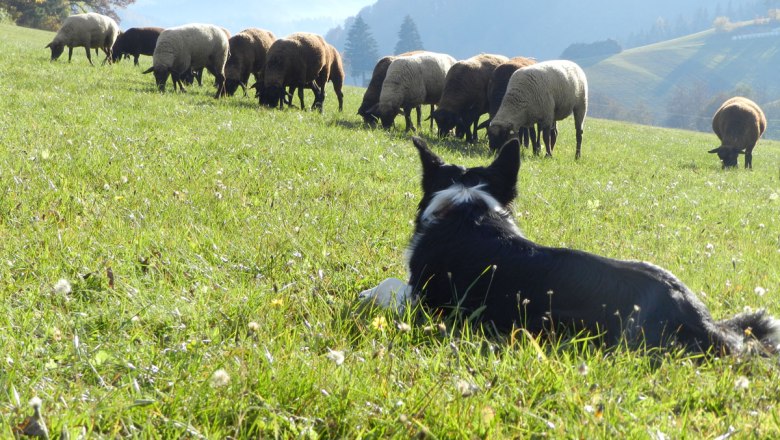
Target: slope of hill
[(682, 81)]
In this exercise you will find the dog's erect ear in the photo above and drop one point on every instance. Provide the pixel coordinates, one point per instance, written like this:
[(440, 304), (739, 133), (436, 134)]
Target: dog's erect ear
[(430, 161), (507, 164)]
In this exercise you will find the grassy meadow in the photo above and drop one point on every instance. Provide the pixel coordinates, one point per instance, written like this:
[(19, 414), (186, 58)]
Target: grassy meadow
[(174, 266)]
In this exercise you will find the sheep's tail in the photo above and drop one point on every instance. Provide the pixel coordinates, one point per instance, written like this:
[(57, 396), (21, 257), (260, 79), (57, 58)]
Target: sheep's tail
[(751, 332)]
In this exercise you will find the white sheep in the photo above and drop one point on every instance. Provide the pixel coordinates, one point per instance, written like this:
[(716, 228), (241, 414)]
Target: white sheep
[(541, 94), (190, 47), (738, 123), (411, 81), (89, 31)]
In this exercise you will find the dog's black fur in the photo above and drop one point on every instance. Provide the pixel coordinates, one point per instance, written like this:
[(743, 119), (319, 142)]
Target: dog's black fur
[(468, 255)]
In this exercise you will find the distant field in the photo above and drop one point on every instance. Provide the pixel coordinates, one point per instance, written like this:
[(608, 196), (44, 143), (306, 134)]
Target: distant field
[(648, 75), (214, 250)]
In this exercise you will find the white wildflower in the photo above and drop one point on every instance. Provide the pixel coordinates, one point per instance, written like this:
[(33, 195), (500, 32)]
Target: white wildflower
[(760, 291), (220, 378), (336, 356), (742, 383), (466, 388), (62, 287)]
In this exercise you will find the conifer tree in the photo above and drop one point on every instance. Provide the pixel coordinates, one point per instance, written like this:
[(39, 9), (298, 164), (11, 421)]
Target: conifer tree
[(408, 37), (360, 49)]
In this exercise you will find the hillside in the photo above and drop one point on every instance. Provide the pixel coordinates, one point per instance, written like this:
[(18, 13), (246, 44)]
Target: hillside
[(178, 267), (710, 64)]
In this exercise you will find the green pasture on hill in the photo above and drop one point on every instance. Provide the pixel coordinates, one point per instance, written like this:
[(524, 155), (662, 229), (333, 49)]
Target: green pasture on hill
[(174, 266)]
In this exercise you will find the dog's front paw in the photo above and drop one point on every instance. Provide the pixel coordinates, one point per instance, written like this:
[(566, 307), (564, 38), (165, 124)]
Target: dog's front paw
[(392, 293)]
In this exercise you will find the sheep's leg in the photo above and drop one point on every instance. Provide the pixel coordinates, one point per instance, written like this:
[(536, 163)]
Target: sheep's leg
[(70, 53), (300, 97), (408, 119), (419, 114), (135, 59), (524, 137), (749, 158), (535, 139), (579, 143), (546, 132), (430, 117), (553, 135)]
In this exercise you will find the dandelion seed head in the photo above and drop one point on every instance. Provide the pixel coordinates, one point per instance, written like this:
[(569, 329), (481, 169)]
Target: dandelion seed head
[(253, 327), (62, 287), (336, 356), (220, 378), (760, 291), (741, 383), (36, 403)]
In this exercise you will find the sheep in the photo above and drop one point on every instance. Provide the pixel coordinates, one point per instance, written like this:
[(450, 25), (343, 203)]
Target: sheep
[(248, 50), (541, 94), (410, 82), (181, 49), (335, 76), (298, 60), (497, 89), (85, 30), (738, 123), (135, 42), (371, 95), (465, 95)]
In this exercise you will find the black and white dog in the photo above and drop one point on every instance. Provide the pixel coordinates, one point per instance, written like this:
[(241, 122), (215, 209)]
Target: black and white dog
[(468, 256)]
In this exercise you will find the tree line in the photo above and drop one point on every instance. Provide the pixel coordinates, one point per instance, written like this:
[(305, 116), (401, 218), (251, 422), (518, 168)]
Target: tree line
[(49, 14), (360, 48)]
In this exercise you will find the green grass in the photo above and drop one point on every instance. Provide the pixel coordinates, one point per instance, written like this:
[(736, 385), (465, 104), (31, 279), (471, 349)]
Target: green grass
[(202, 235)]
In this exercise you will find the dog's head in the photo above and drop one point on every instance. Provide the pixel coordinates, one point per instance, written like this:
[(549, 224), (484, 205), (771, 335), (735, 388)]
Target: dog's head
[(446, 185)]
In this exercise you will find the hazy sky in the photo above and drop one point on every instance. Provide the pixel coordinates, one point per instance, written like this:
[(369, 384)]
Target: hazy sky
[(282, 17)]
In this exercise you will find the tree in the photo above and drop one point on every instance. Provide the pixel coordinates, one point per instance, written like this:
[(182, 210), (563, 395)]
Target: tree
[(360, 49), (49, 14), (408, 37)]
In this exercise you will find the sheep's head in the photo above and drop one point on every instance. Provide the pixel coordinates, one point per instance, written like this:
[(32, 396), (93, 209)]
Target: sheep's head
[(499, 134), (272, 96), (160, 76), (446, 121), (231, 85), (368, 118), (56, 49), (385, 113), (728, 155)]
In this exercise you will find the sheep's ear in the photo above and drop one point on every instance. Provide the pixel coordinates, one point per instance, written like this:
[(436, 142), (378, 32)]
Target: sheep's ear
[(372, 109), (716, 150), (741, 152), (484, 125), (149, 70), (47, 46)]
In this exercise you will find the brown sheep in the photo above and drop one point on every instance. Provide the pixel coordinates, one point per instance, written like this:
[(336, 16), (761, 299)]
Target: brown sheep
[(136, 42), (248, 50), (298, 60), (738, 123), (465, 95), (371, 95), (335, 76)]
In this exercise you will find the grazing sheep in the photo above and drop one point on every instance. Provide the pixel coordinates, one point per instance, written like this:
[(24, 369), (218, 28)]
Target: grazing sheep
[(299, 60), (465, 95), (89, 31), (411, 81), (135, 42), (541, 94), (738, 123), (371, 95), (190, 47), (497, 89), (336, 75), (248, 50)]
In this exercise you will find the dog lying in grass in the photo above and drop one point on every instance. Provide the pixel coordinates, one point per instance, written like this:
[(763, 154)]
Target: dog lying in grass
[(467, 256)]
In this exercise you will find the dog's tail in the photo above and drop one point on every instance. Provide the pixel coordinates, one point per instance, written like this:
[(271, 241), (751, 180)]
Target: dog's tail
[(750, 332)]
